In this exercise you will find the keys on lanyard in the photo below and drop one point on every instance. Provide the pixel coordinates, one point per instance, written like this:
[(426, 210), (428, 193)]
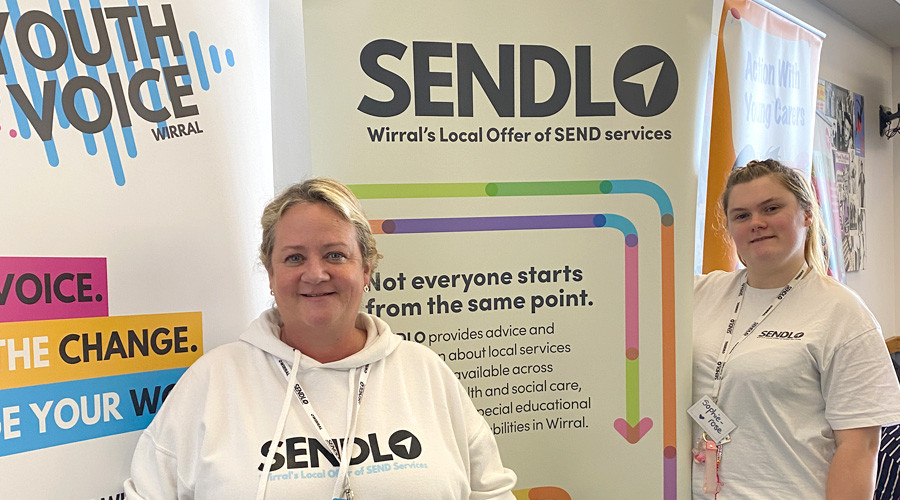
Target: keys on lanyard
[(707, 452), (346, 495)]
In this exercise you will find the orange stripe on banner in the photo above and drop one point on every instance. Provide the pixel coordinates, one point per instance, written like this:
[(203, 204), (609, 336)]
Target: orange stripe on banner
[(667, 275), (376, 226), (717, 252), (542, 493)]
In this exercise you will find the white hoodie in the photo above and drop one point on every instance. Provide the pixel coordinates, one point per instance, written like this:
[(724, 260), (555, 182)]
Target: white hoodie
[(418, 434)]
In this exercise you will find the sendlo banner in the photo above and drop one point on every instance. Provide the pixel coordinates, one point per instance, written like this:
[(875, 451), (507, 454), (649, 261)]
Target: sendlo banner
[(530, 170), (130, 193)]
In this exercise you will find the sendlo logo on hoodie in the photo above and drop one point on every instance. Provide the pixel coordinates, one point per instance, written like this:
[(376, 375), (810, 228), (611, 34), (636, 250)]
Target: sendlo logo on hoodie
[(401, 448), (52, 63)]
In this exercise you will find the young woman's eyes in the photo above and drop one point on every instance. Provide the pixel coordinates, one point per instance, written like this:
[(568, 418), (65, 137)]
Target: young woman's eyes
[(746, 215)]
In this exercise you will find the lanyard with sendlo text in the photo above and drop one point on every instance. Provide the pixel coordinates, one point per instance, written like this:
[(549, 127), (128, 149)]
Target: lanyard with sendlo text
[(342, 490), (725, 352)]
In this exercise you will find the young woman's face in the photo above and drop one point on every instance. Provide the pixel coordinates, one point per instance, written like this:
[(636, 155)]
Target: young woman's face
[(767, 224)]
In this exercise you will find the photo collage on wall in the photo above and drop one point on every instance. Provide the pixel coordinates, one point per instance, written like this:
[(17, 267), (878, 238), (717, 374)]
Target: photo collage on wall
[(845, 115)]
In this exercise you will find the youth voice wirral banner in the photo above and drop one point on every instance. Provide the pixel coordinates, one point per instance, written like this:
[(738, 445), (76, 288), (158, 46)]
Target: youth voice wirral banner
[(530, 171), (764, 105), (135, 155)]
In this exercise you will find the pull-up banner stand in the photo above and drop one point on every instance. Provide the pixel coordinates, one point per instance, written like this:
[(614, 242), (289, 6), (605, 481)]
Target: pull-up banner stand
[(764, 105), (530, 171), (135, 155)]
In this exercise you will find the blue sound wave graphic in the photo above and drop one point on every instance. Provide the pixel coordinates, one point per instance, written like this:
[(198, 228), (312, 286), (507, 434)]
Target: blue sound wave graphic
[(120, 131), (90, 144)]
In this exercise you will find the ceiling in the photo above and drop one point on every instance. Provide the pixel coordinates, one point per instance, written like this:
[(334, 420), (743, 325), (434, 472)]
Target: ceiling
[(879, 18)]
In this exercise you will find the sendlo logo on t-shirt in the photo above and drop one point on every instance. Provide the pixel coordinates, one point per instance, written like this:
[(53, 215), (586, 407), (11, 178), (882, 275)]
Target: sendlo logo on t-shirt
[(783, 335), (373, 453)]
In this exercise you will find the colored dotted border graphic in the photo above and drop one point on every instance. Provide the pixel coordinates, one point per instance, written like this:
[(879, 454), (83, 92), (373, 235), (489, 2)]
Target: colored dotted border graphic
[(632, 428)]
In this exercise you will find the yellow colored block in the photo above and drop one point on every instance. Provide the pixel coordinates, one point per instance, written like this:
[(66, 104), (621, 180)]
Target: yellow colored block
[(45, 352)]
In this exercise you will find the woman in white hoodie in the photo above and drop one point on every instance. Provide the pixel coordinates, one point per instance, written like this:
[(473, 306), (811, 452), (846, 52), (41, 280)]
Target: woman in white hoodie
[(355, 412)]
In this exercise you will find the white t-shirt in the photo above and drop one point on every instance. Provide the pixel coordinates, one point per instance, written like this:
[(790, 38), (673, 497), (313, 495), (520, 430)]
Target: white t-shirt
[(817, 363)]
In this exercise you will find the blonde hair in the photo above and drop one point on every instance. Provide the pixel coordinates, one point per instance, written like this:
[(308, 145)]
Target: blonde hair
[(332, 194), (815, 250)]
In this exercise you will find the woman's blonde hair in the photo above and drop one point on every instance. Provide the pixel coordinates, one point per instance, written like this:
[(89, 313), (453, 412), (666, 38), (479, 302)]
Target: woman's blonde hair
[(329, 192)]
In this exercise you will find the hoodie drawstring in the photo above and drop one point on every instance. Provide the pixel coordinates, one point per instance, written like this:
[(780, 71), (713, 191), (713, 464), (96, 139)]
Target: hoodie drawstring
[(279, 428), (342, 489)]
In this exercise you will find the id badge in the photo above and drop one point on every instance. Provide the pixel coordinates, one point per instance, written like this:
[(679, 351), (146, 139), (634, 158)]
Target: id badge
[(711, 419)]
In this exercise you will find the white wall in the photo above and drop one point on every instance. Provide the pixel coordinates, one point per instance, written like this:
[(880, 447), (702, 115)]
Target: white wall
[(896, 185), (854, 60), (290, 121)]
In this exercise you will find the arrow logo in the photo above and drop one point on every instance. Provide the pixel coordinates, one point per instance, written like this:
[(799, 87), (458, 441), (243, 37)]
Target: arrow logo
[(647, 80), (405, 445)]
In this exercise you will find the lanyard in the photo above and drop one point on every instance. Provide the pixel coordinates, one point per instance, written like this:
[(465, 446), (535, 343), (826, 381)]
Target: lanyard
[(342, 485), (725, 352)]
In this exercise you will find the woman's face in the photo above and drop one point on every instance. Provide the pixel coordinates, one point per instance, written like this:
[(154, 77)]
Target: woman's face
[(317, 272), (767, 224)]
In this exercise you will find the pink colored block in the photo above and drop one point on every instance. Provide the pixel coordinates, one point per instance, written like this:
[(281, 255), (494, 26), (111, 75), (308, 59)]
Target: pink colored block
[(41, 288)]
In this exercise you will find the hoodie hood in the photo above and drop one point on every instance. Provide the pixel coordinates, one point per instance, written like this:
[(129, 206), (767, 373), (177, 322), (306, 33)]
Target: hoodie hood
[(264, 333)]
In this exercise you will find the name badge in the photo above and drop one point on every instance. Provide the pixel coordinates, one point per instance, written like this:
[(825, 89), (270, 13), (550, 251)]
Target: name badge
[(712, 419)]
